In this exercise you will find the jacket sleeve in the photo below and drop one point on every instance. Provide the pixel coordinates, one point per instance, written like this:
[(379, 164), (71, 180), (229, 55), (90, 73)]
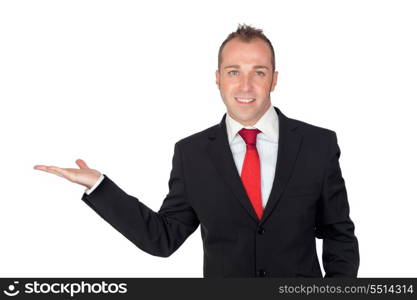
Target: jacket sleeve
[(157, 233), (333, 224)]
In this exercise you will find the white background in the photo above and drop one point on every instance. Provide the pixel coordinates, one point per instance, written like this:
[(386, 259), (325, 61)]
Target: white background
[(88, 79)]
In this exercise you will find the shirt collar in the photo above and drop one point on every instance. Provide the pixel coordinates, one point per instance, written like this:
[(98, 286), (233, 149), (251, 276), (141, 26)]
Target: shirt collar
[(268, 124)]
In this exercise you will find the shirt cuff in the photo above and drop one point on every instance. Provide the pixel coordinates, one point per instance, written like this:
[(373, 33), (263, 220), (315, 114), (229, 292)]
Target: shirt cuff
[(89, 191)]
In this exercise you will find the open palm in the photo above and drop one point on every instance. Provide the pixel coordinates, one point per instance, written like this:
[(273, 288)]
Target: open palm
[(84, 175)]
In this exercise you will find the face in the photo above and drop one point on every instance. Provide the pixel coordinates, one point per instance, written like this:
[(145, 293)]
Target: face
[(245, 79)]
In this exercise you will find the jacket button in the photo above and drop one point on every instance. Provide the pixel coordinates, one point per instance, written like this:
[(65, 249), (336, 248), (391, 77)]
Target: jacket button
[(261, 230), (262, 273)]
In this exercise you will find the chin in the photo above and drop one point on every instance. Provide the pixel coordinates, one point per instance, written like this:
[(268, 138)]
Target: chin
[(245, 119)]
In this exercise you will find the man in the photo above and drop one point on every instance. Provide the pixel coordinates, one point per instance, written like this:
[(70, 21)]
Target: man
[(261, 185)]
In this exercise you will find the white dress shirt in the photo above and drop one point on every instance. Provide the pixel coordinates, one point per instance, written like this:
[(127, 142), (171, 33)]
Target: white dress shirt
[(266, 144)]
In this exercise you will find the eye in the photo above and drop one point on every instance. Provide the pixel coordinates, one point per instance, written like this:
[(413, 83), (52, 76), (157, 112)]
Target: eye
[(233, 73), (260, 73)]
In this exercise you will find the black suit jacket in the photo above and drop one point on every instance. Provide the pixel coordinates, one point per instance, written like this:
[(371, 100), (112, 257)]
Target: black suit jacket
[(308, 200)]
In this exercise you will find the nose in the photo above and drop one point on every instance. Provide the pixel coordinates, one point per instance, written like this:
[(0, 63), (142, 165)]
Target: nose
[(246, 83)]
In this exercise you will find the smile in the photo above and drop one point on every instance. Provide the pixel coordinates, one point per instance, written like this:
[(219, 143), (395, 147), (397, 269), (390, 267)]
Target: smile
[(245, 100)]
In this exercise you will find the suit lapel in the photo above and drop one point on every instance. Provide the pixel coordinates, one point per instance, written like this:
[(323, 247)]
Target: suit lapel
[(289, 145), (222, 157)]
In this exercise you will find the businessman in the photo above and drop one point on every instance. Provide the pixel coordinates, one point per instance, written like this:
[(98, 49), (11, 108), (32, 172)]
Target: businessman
[(261, 186)]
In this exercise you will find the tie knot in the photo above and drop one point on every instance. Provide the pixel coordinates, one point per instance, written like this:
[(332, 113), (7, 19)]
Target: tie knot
[(249, 136)]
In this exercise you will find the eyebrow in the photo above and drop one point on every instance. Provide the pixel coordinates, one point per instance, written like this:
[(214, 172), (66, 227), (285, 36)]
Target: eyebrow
[(260, 67), (238, 67), (232, 66)]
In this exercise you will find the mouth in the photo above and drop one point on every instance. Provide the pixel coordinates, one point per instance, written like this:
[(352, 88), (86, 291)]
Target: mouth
[(244, 100)]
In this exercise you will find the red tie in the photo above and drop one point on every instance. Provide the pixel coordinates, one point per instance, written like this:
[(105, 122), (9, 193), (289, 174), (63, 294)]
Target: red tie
[(251, 170)]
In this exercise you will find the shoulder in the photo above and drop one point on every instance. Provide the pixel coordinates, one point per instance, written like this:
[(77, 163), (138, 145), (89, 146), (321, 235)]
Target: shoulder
[(309, 129), (314, 136), (199, 137)]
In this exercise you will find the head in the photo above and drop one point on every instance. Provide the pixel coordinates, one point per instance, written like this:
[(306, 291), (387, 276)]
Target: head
[(246, 74)]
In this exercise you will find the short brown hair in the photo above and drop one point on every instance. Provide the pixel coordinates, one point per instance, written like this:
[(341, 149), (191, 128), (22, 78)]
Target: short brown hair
[(247, 33)]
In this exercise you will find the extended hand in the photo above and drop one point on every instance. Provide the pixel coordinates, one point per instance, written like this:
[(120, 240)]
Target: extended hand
[(84, 175)]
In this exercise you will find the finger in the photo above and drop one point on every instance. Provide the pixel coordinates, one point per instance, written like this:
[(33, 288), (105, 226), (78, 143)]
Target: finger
[(48, 169), (40, 167), (81, 164), (58, 171)]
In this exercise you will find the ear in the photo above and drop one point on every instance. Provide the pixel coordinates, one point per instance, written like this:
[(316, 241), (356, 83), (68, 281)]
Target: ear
[(274, 80), (218, 78)]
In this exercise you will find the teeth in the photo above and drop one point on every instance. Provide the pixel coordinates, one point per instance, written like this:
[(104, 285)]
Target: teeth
[(245, 100)]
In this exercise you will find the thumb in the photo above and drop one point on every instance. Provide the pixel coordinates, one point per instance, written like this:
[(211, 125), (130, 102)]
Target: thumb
[(81, 164)]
